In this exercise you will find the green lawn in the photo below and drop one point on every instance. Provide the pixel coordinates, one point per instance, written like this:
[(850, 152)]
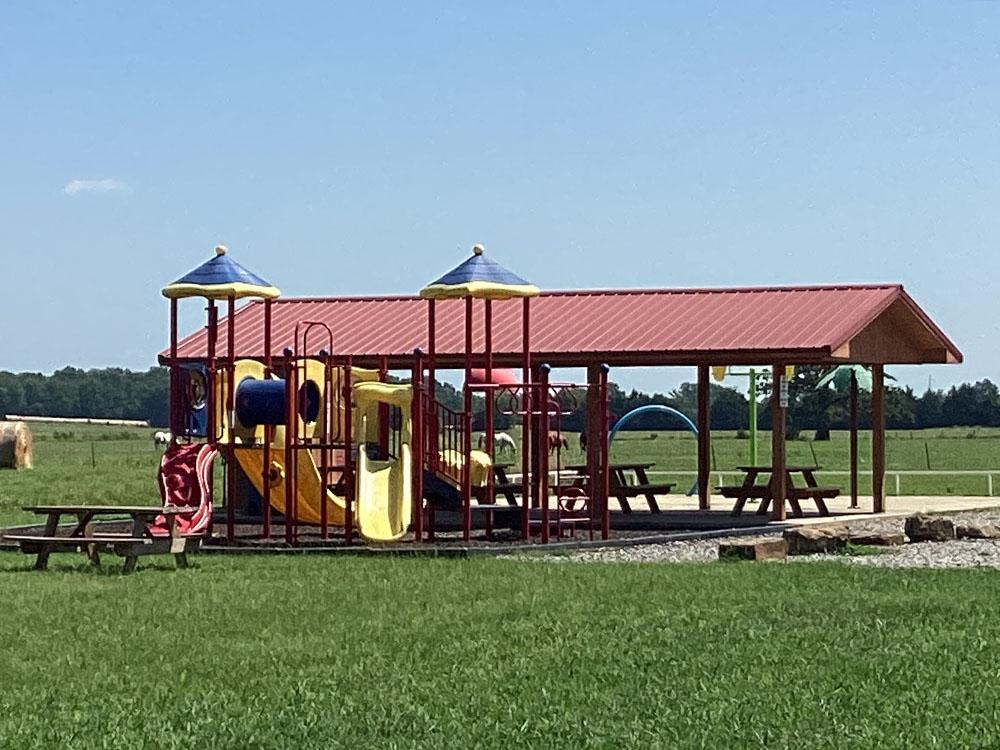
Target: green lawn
[(94, 464), (424, 653), (83, 464)]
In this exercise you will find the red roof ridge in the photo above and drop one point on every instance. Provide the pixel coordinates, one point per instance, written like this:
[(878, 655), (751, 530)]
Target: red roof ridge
[(619, 292)]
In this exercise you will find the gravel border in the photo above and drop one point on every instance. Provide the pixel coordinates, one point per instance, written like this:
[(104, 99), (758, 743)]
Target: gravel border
[(964, 553)]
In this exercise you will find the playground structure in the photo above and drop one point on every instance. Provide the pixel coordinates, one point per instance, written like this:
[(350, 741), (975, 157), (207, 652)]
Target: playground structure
[(317, 440), (330, 446)]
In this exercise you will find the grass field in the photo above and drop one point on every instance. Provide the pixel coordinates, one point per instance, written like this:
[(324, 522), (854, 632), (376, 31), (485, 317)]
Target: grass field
[(95, 464), (268, 652), (423, 653)]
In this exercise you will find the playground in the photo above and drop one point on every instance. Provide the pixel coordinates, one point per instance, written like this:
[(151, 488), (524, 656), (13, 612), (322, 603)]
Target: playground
[(317, 422)]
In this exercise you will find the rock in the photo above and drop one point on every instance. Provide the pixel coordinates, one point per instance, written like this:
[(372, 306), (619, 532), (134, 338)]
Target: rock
[(768, 549), (816, 540), (978, 531), (879, 539), (924, 528)]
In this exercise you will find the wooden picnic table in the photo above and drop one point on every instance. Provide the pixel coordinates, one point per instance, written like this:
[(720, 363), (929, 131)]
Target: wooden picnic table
[(132, 545), (750, 490), (620, 486), (501, 486)]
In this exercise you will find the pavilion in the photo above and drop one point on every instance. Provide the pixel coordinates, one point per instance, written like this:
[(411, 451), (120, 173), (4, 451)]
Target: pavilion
[(873, 325)]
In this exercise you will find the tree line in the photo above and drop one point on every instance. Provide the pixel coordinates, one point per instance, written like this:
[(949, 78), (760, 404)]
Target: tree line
[(116, 393)]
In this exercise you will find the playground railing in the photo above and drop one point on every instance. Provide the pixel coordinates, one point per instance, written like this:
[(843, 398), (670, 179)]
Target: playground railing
[(446, 438)]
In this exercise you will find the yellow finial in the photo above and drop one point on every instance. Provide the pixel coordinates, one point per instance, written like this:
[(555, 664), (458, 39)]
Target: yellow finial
[(220, 249), (478, 249)]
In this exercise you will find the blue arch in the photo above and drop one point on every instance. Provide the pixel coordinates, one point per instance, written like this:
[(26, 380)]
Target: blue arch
[(656, 408)]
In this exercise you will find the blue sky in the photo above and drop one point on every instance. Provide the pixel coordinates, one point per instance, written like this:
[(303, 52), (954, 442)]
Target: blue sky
[(364, 148)]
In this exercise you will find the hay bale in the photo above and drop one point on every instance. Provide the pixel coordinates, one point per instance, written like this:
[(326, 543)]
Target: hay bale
[(15, 445)]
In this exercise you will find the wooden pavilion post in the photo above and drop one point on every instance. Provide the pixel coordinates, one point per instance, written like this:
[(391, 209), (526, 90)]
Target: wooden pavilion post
[(704, 436), (853, 424), (778, 476), (878, 439)]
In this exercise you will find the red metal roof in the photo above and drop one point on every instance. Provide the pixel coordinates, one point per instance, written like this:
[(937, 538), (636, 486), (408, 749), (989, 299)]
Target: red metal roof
[(621, 327)]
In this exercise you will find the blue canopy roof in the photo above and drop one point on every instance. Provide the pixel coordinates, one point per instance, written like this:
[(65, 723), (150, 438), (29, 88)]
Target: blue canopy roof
[(479, 277), (220, 278)]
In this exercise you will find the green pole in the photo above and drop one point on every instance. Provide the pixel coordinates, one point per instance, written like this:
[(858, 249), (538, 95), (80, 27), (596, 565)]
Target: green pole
[(753, 417)]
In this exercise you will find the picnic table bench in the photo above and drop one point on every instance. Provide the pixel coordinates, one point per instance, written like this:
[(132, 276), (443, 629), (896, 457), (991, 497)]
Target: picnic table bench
[(750, 490), (620, 486), (138, 542), (502, 485)]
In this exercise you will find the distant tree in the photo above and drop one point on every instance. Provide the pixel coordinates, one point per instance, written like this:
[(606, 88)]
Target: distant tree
[(975, 404)]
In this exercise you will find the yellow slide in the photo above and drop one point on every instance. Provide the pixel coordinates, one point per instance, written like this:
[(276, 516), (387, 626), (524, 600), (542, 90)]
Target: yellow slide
[(384, 488), (384, 496), (308, 508)]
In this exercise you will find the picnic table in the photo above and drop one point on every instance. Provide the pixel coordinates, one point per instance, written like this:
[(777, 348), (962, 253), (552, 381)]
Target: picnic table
[(628, 480), (751, 490), (139, 541)]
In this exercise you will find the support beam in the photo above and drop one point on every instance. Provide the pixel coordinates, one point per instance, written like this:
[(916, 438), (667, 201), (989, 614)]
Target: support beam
[(704, 436), (878, 439), (853, 423), (778, 475)]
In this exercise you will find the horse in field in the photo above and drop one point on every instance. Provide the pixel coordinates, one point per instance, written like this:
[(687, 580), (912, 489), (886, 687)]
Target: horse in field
[(502, 443), (557, 441)]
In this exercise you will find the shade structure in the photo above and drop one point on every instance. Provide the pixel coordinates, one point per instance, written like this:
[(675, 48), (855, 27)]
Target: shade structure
[(220, 278), (479, 277), (833, 325)]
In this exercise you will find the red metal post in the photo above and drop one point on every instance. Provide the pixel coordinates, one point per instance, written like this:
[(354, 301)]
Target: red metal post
[(228, 418), (328, 414), (213, 334), (349, 478), (543, 452), (268, 429), (417, 444), (431, 426), (592, 429), (383, 412), (467, 446), (290, 436), (489, 395), (525, 419), (174, 412), (605, 455)]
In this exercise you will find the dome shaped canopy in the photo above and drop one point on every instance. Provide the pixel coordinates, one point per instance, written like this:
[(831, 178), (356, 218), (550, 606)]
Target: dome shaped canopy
[(220, 278), (479, 277)]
